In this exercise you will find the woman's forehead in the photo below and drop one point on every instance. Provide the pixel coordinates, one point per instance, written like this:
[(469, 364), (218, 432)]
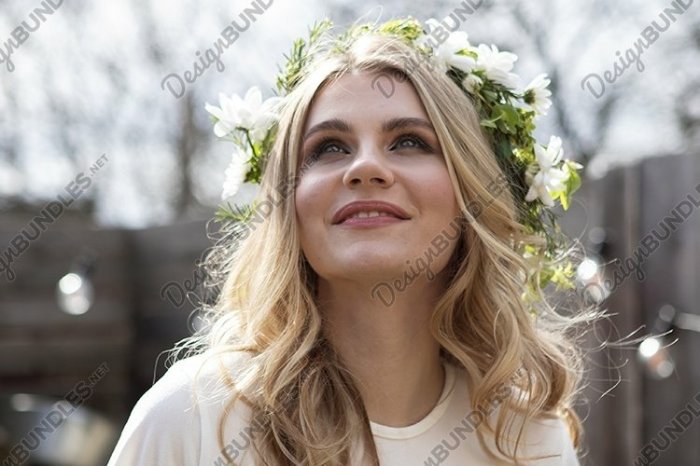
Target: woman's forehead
[(355, 96)]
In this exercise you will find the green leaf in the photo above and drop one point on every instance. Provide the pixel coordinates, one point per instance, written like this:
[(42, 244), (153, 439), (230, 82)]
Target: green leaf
[(226, 213), (300, 56), (574, 181), (564, 198), (490, 123), (509, 117), (407, 28)]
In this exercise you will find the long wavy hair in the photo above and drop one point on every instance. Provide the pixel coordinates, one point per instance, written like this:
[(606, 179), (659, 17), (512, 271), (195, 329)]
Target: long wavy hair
[(304, 401)]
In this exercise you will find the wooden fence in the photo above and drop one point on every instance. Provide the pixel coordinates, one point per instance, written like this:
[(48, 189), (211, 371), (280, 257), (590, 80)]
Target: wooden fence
[(628, 203)]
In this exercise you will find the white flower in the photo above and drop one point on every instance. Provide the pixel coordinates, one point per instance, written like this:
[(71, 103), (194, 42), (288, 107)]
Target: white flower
[(446, 52), (549, 179), (497, 65), (235, 173), (537, 95), (472, 83), (250, 113), (226, 115)]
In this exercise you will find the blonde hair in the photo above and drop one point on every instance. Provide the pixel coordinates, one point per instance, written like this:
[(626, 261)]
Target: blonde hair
[(303, 399)]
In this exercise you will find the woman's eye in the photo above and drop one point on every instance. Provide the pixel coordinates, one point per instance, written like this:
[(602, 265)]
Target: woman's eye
[(322, 148), (415, 142)]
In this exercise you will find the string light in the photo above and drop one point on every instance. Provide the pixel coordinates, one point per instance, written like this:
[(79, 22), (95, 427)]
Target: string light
[(75, 292)]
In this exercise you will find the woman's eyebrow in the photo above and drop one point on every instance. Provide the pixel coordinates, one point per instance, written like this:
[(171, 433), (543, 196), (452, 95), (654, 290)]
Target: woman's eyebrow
[(399, 123), (388, 126), (332, 124)]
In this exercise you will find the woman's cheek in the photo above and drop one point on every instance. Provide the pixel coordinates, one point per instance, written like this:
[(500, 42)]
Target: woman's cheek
[(311, 198)]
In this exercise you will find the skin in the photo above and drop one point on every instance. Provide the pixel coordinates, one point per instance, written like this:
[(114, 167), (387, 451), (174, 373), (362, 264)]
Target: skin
[(388, 348)]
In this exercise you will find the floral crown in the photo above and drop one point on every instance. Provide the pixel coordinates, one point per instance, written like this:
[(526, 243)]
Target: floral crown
[(538, 175)]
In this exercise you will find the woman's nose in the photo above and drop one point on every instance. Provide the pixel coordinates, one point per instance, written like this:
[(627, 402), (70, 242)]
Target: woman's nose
[(369, 165)]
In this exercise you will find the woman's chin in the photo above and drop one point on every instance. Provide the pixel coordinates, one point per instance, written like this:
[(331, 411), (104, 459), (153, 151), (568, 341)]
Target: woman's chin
[(372, 273)]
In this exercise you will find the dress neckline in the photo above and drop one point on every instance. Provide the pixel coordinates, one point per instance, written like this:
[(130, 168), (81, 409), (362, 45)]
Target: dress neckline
[(413, 430)]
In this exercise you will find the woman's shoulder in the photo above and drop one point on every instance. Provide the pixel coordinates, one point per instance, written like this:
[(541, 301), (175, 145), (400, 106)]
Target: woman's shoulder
[(550, 434), (165, 425), (191, 381), (545, 441), (546, 434)]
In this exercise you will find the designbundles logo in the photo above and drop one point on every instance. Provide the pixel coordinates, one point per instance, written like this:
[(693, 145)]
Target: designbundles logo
[(21, 32), (176, 84)]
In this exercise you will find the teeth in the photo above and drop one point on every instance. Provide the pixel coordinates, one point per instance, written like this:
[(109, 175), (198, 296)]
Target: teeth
[(372, 213)]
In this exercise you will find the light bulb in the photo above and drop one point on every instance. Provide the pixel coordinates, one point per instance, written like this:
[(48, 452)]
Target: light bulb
[(586, 270), (656, 358), (74, 293)]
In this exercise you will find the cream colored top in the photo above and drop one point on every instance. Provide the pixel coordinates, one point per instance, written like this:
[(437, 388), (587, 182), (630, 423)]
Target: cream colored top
[(173, 425)]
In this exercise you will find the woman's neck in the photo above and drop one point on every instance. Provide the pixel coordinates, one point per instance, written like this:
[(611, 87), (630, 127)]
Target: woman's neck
[(389, 350)]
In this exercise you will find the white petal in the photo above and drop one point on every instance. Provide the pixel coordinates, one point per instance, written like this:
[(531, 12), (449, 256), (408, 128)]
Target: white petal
[(245, 117), (258, 131), (542, 157), (497, 65), (546, 198), (462, 62), (231, 105), (222, 128), (539, 178), (554, 149), (509, 80), (541, 104), (531, 194), (235, 174), (557, 174), (457, 41), (539, 82), (216, 111), (253, 98), (554, 179), (484, 50)]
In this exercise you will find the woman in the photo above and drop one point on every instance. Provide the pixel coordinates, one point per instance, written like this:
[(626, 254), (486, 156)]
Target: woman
[(375, 317)]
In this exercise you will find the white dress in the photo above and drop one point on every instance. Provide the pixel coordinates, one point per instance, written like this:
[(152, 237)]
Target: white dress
[(172, 425)]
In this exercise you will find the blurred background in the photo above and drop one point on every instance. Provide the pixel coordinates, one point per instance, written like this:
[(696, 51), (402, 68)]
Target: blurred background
[(113, 175)]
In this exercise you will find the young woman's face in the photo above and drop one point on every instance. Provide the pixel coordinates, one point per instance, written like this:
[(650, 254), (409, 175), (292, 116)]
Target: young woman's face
[(359, 145)]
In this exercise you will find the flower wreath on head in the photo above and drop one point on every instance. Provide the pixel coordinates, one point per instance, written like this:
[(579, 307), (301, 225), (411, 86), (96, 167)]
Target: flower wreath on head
[(538, 175)]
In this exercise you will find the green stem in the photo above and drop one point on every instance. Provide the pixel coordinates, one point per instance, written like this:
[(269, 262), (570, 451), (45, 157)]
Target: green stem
[(250, 143)]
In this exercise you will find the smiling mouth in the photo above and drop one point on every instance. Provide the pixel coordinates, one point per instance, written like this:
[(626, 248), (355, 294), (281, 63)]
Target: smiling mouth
[(369, 209), (372, 214), (377, 220)]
